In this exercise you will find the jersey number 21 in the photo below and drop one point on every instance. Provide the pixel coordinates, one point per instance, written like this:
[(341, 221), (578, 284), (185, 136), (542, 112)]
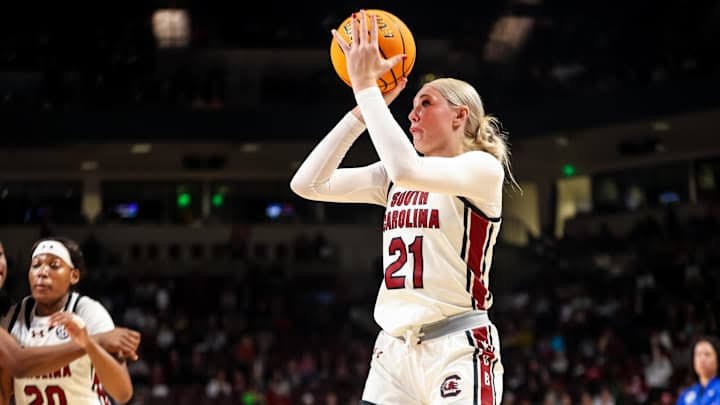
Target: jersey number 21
[(398, 247)]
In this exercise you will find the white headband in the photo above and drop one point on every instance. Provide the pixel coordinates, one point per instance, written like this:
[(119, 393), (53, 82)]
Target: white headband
[(53, 247)]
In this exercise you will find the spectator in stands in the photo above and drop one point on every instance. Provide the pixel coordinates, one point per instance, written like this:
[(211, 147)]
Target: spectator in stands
[(705, 365)]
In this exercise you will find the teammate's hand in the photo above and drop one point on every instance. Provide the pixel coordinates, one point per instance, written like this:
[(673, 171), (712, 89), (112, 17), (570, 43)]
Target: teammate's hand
[(121, 342), (74, 326), (365, 64)]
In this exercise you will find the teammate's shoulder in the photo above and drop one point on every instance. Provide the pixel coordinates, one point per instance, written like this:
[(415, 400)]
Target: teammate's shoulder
[(87, 304)]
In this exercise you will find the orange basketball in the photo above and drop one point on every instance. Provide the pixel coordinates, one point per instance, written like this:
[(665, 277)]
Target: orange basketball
[(394, 38)]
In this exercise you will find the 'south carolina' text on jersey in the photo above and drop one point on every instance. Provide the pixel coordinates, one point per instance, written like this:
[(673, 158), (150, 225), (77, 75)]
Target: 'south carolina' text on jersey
[(402, 217)]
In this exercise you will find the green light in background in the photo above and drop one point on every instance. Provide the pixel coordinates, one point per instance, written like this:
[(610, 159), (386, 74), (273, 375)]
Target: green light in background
[(218, 199), (183, 200), (568, 170)]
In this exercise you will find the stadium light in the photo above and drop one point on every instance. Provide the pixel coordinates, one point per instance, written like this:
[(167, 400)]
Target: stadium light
[(171, 27)]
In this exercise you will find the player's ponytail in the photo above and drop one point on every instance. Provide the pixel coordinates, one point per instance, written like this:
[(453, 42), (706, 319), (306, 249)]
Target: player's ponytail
[(490, 137), (482, 131)]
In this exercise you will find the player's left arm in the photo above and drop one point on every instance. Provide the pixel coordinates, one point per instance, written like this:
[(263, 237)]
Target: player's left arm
[(113, 374), (476, 174)]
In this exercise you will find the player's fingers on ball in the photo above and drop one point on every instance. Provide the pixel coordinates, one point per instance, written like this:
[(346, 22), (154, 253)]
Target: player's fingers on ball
[(363, 27), (340, 41), (356, 29), (373, 30)]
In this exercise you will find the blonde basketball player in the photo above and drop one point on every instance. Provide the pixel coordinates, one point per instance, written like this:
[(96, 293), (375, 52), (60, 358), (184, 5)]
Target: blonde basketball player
[(437, 344), (56, 267)]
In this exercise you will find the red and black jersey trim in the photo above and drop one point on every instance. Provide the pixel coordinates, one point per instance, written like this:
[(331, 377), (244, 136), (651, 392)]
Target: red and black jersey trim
[(478, 233), (477, 210)]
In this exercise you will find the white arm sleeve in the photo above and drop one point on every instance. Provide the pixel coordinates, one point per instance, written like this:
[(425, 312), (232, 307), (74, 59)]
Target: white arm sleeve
[(319, 177), (475, 175), (96, 317)]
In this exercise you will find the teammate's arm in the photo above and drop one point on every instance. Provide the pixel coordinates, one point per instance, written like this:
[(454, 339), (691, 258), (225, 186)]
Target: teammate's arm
[(121, 342), (5, 387), (29, 361), (113, 374), (25, 362)]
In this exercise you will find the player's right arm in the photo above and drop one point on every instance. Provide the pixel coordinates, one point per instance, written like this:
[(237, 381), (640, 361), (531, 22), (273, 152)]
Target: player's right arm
[(113, 374), (320, 178)]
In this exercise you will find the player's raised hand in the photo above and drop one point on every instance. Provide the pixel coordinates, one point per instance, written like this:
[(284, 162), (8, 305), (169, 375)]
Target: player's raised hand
[(365, 64), (391, 95), (74, 326)]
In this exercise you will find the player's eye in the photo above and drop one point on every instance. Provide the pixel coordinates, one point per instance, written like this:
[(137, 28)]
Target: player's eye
[(425, 103)]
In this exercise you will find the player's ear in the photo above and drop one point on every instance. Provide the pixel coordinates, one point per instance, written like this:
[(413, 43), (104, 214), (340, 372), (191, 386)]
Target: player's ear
[(74, 276), (461, 115)]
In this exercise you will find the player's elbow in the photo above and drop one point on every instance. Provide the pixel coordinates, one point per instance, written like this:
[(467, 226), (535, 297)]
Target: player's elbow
[(124, 395), (302, 188), (298, 187)]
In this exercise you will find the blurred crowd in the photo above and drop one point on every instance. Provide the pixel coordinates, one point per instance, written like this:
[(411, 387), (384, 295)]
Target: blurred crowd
[(599, 319), (610, 320)]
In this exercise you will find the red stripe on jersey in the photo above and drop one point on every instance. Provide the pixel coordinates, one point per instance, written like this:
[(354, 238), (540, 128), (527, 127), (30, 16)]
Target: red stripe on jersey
[(476, 242), (487, 356), (99, 390)]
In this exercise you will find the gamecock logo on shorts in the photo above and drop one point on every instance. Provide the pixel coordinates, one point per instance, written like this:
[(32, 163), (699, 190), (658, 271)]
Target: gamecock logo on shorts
[(451, 386)]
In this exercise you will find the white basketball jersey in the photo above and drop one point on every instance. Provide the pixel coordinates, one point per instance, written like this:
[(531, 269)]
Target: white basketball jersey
[(437, 251), (77, 382)]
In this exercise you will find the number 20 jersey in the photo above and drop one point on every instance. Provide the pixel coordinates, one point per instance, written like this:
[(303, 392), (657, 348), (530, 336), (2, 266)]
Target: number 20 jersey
[(74, 384), (437, 252)]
